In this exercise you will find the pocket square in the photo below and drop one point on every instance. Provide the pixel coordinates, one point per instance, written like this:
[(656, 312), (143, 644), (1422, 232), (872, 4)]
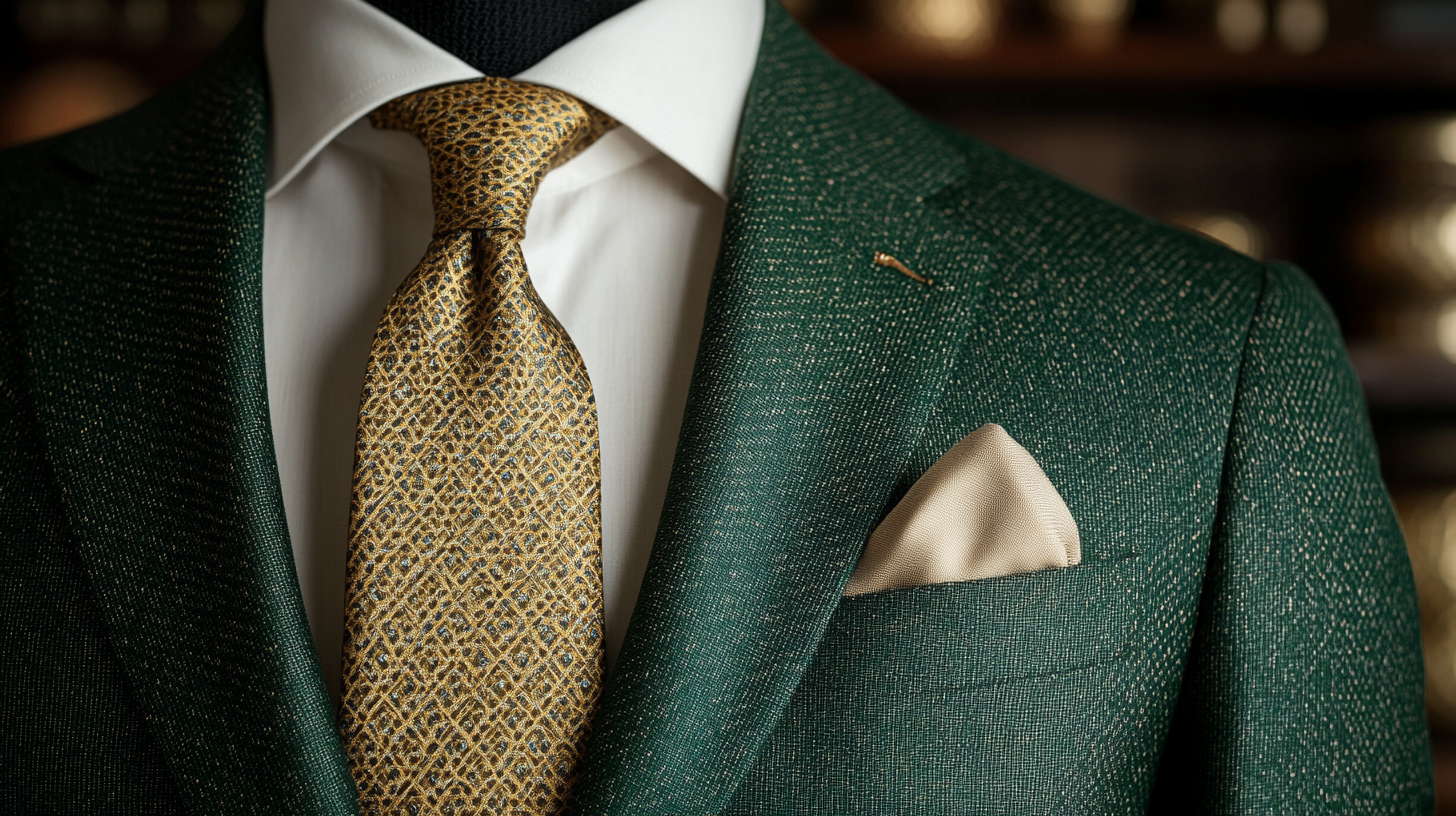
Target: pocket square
[(984, 510)]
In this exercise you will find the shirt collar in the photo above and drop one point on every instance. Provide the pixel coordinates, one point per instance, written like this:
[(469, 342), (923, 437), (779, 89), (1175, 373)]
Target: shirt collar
[(674, 71)]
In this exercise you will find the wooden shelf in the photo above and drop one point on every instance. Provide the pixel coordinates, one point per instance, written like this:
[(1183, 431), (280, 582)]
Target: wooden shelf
[(1145, 60), (1158, 67)]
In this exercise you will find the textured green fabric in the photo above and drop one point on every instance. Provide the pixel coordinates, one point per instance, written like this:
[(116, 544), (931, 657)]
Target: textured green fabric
[(1300, 693), (74, 739), (1241, 638), (132, 265), (1116, 351)]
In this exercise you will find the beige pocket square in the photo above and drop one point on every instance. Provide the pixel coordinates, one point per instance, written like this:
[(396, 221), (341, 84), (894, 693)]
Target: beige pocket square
[(984, 510)]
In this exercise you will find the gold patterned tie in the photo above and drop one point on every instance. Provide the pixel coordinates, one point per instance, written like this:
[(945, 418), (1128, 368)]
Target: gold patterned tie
[(473, 647)]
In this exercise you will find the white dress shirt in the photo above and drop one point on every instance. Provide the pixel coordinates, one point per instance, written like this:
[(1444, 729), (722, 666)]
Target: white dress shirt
[(620, 244)]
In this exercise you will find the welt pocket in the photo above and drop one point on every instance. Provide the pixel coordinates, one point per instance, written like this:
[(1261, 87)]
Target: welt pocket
[(990, 630)]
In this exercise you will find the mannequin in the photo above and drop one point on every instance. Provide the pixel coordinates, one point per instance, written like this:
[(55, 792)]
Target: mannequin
[(500, 37)]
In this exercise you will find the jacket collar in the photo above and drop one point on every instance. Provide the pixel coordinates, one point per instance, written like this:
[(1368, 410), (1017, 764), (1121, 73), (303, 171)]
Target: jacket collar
[(139, 297), (816, 373)]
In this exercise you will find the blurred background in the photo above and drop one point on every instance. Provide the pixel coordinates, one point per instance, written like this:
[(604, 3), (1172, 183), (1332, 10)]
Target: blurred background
[(1319, 131)]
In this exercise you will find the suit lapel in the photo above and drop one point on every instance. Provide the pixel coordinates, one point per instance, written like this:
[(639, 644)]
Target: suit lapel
[(139, 291), (815, 374)]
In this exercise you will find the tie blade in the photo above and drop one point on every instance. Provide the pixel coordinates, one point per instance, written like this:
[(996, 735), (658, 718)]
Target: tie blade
[(473, 657)]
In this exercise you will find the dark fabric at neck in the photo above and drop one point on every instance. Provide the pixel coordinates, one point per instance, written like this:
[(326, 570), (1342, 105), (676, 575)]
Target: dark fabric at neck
[(501, 37)]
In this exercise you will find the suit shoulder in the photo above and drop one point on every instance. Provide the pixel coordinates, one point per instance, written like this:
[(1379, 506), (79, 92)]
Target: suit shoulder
[(1108, 263)]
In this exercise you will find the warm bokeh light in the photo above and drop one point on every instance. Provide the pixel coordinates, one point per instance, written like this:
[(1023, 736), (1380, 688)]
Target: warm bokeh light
[(1446, 142), (948, 25), (1302, 25), (65, 95), (1233, 230), (1413, 243), (1429, 520), (1092, 25), (1241, 24)]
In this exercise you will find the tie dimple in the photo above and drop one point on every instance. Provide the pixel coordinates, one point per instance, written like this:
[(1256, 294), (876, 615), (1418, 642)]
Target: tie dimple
[(473, 653), (490, 143)]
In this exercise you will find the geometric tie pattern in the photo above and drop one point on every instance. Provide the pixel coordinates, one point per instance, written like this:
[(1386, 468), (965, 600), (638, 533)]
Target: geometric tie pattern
[(473, 624)]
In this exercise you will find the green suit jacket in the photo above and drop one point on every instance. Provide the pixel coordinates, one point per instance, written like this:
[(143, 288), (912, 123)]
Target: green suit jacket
[(1241, 636)]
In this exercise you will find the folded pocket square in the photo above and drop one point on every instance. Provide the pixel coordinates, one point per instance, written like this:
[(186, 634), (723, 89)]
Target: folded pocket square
[(984, 510)]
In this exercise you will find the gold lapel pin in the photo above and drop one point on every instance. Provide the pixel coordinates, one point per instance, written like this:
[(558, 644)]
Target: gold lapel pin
[(882, 259)]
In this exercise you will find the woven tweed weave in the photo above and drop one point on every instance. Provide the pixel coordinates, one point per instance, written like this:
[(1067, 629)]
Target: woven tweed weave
[(473, 654)]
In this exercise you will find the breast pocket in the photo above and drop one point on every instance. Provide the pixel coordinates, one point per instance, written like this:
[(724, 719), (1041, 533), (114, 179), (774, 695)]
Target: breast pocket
[(976, 633), (930, 700)]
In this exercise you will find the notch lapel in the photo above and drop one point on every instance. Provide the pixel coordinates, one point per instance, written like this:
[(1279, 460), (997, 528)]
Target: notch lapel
[(138, 287), (815, 374)]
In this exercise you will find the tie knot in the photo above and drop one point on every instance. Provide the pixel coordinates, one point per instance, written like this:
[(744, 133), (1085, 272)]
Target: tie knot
[(490, 142)]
